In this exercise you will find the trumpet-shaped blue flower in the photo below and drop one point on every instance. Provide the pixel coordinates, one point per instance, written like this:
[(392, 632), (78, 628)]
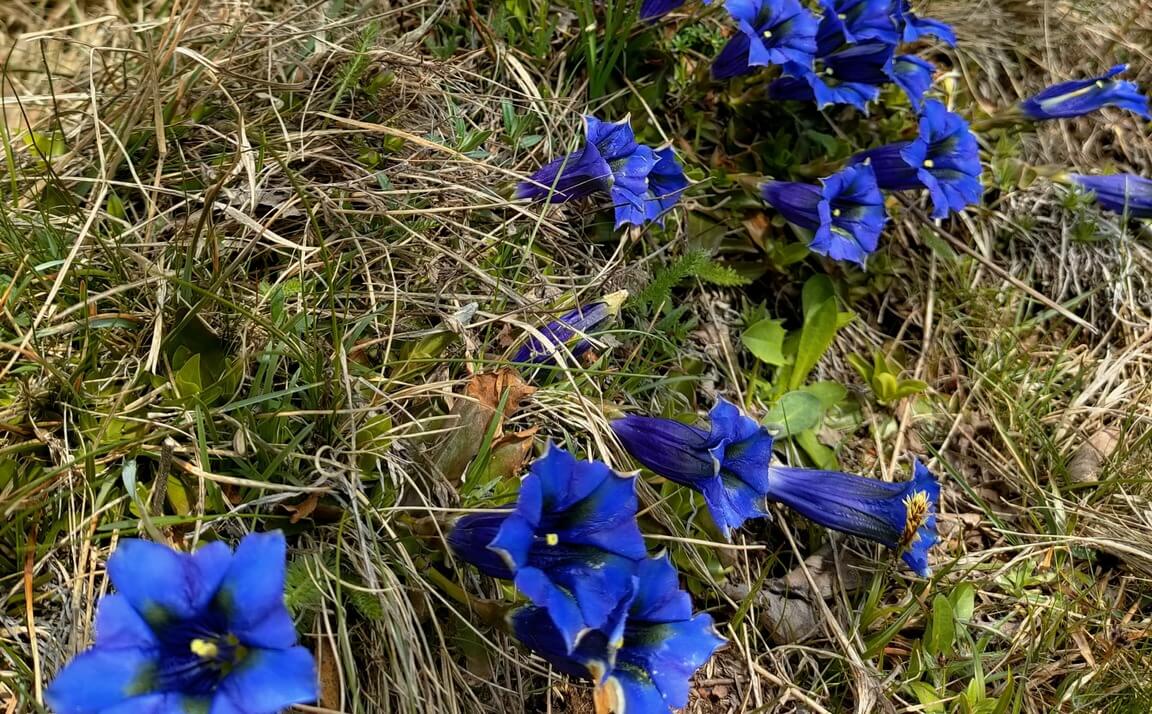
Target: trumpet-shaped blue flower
[(901, 516), (1084, 96), (470, 535), (1125, 194), (914, 75), (859, 20), (770, 32), (647, 670), (199, 632), (851, 74), (665, 185), (652, 9), (571, 330), (726, 462), (845, 214), (912, 27), (572, 543), (945, 159)]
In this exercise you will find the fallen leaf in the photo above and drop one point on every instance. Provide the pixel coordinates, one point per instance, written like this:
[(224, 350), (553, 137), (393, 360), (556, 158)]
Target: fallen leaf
[(509, 453), (1084, 466), (474, 412), (328, 674), (302, 510)]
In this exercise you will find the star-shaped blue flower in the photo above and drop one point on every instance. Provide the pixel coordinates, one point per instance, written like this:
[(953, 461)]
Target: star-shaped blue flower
[(1084, 96), (727, 462), (912, 27), (1125, 194), (851, 74), (859, 20), (845, 215), (901, 516), (945, 159), (206, 631), (770, 32), (914, 75)]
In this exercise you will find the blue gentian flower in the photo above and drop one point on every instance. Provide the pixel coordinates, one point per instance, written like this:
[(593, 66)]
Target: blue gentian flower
[(912, 27), (199, 632), (914, 75), (726, 462), (1125, 194), (771, 32), (470, 535), (842, 74), (649, 669), (1084, 96), (666, 183), (901, 516), (571, 330), (845, 214), (652, 9), (859, 20), (572, 543), (945, 159)]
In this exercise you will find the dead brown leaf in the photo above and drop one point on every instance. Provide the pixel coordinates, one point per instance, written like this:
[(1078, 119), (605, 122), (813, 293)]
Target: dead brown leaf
[(1084, 466), (474, 412), (302, 510)]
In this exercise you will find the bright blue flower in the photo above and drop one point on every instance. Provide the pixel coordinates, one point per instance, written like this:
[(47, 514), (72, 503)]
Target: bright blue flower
[(845, 214), (901, 516), (571, 330), (1125, 194), (851, 74), (859, 20), (469, 537), (665, 185), (1083, 96), (206, 631), (771, 32), (725, 462), (914, 75), (649, 669), (572, 543), (945, 159), (912, 27)]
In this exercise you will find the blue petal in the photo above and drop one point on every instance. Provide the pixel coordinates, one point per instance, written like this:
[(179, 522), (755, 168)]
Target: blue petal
[(852, 215), (914, 76), (862, 19), (676, 451), (119, 625), (659, 598), (163, 584), (797, 202), (569, 330), (665, 185), (1083, 96), (892, 170), (916, 552), (165, 703), (470, 537), (1125, 194), (732, 60), (252, 592), (572, 176), (613, 140), (533, 627), (514, 541), (914, 27), (101, 678), (652, 9), (267, 681)]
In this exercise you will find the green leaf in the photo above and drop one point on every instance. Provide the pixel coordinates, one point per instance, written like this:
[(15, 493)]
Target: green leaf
[(795, 412), (929, 699), (765, 339), (821, 456), (187, 378), (815, 337), (963, 600), (829, 393), (817, 291), (942, 630)]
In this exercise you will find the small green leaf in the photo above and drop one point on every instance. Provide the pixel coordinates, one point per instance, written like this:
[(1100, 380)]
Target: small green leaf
[(963, 600), (942, 631), (815, 337), (794, 412), (929, 699), (765, 339)]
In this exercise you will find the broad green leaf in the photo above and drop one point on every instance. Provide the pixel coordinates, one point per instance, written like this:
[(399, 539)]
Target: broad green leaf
[(928, 697), (963, 602), (821, 456), (794, 412), (829, 393), (942, 630), (815, 338), (765, 339), (817, 291)]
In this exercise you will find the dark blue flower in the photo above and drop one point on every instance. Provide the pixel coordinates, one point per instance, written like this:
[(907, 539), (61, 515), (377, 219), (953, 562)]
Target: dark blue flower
[(571, 330), (860, 20), (914, 75), (901, 516), (647, 670), (851, 74), (912, 27), (726, 462), (665, 185), (206, 631), (845, 214), (469, 537), (771, 32), (652, 9), (1125, 194), (572, 543), (945, 159), (1083, 96)]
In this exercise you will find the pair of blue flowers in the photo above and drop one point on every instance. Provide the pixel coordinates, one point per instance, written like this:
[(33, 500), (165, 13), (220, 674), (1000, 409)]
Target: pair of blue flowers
[(642, 182), (601, 608), (204, 632)]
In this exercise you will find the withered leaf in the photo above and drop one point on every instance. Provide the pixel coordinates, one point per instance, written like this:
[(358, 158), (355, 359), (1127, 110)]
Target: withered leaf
[(474, 412)]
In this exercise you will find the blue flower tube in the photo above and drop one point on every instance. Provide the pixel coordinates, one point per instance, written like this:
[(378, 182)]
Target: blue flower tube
[(570, 330), (1125, 194), (1084, 96)]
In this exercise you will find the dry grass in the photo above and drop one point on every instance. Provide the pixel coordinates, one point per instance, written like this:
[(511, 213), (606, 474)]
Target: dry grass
[(317, 206)]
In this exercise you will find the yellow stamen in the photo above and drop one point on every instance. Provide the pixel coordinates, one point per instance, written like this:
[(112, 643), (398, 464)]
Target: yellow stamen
[(929, 163), (835, 212), (767, 34), (552, 539), (916, 512), (842, 16), (204, 649)]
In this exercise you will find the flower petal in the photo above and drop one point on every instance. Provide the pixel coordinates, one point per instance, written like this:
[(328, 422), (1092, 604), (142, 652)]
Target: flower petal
[(162, 583), (101, 678), (119, 625), (252, 592), (270, 680)]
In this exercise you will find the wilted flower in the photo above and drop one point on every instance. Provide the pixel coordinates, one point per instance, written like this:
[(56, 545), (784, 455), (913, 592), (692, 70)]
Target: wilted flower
[(845, 214), (647, 670), (665, 185), (914, 75), (206, 631), (725, 462), (571, 330), (945, 159), (901, 516), (1083, 96), (572, 543), (842, 72), (859, 20), (1125, 194), (771, 32), (912, 27)]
